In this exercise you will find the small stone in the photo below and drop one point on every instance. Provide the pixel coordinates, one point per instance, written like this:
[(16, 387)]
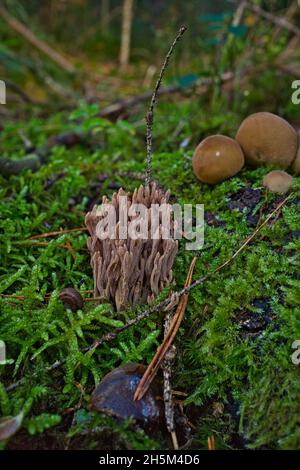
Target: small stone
[(278, 181)]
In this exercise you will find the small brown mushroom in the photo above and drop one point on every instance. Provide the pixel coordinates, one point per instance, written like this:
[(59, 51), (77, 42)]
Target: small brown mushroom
[(278, 181), (267, 139), (217, 158)]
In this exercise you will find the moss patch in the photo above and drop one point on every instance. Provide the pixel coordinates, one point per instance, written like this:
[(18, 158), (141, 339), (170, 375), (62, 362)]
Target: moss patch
[(247, 376)]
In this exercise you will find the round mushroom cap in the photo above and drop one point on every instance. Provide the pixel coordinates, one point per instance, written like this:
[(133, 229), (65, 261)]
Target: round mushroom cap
[(296, 162), (217, 158), (267, 139), (278, 181)]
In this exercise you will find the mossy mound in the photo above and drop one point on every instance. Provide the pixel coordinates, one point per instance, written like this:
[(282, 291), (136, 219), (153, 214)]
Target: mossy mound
[(235, 345)]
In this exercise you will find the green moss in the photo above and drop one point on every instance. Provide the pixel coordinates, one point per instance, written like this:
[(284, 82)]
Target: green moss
[(217, 360)]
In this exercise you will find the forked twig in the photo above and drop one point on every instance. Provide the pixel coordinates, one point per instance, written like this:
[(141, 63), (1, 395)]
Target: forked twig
[(165, 345), (150, 113)]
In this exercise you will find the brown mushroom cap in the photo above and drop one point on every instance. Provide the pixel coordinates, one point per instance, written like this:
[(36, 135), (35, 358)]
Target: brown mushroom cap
[(267, 139), (296, 162), (278, 181), (217, 158)]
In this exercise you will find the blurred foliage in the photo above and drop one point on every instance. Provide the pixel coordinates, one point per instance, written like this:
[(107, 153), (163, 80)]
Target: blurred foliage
[(213, 45)]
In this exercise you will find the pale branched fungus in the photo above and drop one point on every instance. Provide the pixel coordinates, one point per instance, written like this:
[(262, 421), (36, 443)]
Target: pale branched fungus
[(131, 271)]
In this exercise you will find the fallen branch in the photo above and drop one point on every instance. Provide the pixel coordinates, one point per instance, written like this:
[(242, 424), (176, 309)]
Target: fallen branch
[(281, 22), (66, 246), (291, 48), (38, 156), (38, 43), (19, 91), (34, 161), (161, 305), (14, 167), (288, 69), (120, 106)]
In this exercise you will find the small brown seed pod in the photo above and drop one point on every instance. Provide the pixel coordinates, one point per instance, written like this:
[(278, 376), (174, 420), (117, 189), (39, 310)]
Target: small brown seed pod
[(71, 298)]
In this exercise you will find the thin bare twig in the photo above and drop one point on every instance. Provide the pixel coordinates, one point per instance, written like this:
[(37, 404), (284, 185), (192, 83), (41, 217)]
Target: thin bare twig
[(58, 233), (167, 366), (48, 295), (281, 22), (156, 308), (150, 114), (288, 16), (161, 352), (38, 43)]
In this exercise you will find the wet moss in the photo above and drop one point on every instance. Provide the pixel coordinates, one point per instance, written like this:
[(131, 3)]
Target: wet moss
[(251, 376)]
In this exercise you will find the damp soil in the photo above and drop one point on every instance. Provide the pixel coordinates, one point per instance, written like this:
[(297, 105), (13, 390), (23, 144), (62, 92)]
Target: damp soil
[(252, 322)]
